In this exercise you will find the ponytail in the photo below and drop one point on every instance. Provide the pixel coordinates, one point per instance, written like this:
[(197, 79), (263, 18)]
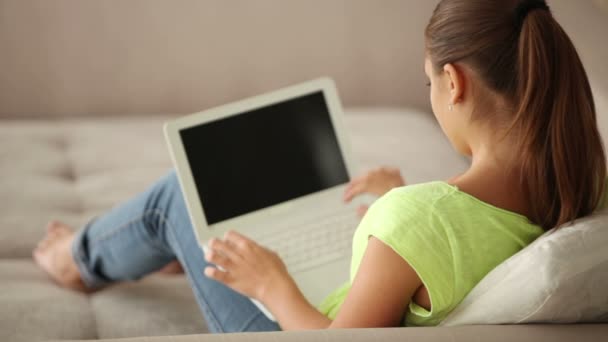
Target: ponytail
[(562, 157), (521, 52)]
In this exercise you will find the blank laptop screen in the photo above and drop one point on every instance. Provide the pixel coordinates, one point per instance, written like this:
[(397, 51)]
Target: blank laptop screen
[(264, 157)]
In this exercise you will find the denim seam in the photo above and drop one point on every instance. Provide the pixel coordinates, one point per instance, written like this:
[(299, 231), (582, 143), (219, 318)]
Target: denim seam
[(161, 216), (248, 323), (209, 313), (78, 255), (88, 278), (143, 216), (118, 229)]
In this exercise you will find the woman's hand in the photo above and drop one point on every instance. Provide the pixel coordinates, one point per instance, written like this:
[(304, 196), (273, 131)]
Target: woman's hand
[(376, 182), (250, 269)]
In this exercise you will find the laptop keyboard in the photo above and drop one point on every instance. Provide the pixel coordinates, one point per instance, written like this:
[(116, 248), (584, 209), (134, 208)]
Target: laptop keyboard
[(314, 243)]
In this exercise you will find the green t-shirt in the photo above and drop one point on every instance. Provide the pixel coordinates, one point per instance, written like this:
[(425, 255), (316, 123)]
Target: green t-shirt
[(449, 237)]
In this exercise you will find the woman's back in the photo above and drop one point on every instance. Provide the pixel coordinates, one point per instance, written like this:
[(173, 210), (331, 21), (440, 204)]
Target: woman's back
[(449, 237)]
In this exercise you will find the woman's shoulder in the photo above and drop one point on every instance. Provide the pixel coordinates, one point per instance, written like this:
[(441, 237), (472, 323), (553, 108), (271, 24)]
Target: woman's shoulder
[(419, 198), (410, 204), (442, 202), (423, 193)]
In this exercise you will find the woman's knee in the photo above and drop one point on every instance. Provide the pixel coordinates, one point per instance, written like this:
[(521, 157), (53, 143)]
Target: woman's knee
[(165, 207), (167, 184), (171, 181), (173, 199), (165, 194)]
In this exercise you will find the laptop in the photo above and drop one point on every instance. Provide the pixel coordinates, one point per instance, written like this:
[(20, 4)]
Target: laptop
[(273, 167)]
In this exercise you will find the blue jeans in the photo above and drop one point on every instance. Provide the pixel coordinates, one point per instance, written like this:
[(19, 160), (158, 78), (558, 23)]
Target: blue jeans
[(144, 234)]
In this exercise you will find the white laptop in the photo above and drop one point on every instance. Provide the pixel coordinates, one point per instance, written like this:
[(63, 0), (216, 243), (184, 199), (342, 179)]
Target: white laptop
[(273, 167)]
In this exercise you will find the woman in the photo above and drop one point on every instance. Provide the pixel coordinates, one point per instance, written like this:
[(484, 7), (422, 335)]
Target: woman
[(508, 90)]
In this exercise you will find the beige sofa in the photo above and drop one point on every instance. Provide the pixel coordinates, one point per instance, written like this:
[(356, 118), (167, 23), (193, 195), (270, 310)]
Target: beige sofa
[(86, 86)]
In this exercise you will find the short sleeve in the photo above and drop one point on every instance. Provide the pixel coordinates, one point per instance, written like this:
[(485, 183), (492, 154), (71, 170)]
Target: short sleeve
[(405, 220)]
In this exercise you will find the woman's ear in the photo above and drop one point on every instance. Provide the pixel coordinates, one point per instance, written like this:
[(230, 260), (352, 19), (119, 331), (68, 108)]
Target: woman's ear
[(456, 82)]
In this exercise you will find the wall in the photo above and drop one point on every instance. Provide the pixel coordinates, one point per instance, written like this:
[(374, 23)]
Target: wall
[(587, 25), (155, 56), (73, 57)]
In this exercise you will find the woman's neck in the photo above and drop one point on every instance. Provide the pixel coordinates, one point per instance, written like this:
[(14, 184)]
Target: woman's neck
[(494, 176)]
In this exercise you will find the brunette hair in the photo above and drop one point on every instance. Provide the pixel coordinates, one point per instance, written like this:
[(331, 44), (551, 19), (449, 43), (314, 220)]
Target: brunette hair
[(520, 52)]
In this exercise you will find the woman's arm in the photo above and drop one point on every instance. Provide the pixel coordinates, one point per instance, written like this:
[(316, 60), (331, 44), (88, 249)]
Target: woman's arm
[(381, 291), (259, 273), (292, 310), (378, 297)]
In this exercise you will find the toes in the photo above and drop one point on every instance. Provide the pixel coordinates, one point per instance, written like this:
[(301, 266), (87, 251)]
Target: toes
[(53, 226), (42, 244), (54, 257), (57, 227), (41, 258), (54, 232)]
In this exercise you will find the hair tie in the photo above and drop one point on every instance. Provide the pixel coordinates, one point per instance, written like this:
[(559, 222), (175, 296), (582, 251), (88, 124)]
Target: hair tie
[(526, 7)]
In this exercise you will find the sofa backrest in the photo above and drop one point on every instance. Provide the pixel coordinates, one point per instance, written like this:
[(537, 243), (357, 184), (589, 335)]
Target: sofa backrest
[(114, 57), (72, 57)]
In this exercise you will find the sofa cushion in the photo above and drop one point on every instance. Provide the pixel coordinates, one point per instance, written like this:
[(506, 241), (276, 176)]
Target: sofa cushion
[(471, 333), (159, 305), (33, 308)]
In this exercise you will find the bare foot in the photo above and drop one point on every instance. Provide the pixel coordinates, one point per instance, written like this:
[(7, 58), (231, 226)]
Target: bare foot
[(53, 254), (172, 268)]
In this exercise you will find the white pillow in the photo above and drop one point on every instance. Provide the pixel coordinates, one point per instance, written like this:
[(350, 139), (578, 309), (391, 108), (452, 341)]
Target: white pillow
[(562, 277)]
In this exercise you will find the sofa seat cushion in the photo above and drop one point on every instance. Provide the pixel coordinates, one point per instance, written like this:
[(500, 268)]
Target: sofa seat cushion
[(158, 305), (34, 308)]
